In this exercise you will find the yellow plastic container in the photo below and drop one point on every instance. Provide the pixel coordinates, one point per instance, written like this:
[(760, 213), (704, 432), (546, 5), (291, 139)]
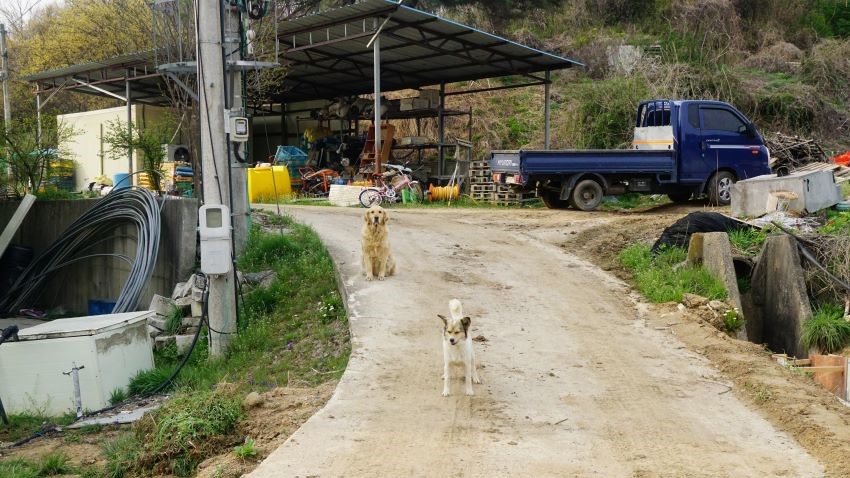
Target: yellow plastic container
[(262, 186)]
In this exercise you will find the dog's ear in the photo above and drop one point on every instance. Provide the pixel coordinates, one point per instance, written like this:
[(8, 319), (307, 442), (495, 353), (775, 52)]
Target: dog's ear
[(445, 322), (366, 217), (385, 218), (466, 321)]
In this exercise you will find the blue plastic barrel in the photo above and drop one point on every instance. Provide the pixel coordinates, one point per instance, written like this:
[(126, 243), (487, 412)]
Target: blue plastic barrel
[(122, 181)]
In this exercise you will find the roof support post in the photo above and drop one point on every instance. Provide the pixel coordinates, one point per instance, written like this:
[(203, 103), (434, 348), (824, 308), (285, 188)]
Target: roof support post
[(38, 118), (546, 112), (129, 125), (376, 61), (441, 130)]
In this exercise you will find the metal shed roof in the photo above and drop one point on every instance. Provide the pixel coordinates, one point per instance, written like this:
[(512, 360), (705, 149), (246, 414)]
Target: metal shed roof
[(107, 78), (328, 56)]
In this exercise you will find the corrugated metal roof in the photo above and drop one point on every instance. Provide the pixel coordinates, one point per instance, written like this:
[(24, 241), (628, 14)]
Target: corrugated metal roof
[(328, 56)]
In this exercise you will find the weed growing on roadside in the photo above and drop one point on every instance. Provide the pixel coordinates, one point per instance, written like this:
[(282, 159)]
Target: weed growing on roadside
[(837, 223), (121, 455), (246, 450), (747, 242), (762, 395), (49, 465), (732, 321), (117, 396), (54, 464), (827, 329), (659, 281)]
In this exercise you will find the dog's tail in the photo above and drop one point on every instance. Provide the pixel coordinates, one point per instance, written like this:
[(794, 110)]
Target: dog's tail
[(456, 308)]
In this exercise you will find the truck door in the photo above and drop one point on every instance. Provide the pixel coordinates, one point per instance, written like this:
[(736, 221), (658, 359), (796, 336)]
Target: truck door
[(726, 142), (693, 162)]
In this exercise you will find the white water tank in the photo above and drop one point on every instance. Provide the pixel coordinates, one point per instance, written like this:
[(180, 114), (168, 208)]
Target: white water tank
[(113, 348)]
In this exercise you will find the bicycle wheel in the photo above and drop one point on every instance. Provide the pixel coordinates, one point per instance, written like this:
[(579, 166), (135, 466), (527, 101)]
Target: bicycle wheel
[(416, 191), (370, 197)]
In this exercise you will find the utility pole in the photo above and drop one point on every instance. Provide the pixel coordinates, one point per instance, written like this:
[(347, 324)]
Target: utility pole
[(238, 176), (7, 106), (221, 306)]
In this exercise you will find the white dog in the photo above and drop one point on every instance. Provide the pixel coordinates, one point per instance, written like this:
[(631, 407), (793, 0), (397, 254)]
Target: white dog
[(457, 347)]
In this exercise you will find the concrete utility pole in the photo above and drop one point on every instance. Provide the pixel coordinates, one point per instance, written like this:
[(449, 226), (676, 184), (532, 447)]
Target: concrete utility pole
[(7, 106), (221, 307), (238, 176)]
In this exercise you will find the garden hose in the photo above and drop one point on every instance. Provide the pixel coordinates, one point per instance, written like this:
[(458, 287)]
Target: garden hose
[(443, 193)]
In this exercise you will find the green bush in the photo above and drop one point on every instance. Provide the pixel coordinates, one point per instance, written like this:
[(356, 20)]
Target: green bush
[(658, 281), (827, 329)]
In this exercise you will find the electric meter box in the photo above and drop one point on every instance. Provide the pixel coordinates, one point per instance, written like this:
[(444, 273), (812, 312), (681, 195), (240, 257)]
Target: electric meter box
[(214, 229), (238, 129), (113, 348)]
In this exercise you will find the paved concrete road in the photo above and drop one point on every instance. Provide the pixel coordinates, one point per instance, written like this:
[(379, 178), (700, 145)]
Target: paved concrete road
[(574, 384)]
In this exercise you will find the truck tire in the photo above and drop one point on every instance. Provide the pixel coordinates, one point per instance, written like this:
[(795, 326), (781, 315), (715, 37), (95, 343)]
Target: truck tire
[(586, 195), (553, 200), (680, 197), (720, 188)]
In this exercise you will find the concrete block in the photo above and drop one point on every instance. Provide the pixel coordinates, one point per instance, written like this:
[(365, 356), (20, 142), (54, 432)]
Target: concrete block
[(803, 192), (183, 303), (778, 289), (183, 342), (163, 341), (197, 294), (197, 309), (715, 252), (157, 322), (192, 321), (343, 195), (182, 289), (162, 305), (154, 332), (263, 279)]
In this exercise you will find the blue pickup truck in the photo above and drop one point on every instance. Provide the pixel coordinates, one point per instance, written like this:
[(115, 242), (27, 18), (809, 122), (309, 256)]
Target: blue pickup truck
[(680, 148)]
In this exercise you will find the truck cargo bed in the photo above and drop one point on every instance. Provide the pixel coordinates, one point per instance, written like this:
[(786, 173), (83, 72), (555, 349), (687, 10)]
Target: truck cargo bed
[(607, 161)]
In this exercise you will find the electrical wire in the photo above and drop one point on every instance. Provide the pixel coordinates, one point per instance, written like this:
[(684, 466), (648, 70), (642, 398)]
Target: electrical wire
[(124, 207)]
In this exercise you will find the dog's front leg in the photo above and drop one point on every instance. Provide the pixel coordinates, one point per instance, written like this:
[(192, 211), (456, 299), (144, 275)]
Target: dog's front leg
[(382, 268), (368, 265), (475, 377), (470, 371), (446, 391)]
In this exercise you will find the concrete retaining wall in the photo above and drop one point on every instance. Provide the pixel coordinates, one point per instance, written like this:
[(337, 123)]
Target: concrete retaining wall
[(103, 277)]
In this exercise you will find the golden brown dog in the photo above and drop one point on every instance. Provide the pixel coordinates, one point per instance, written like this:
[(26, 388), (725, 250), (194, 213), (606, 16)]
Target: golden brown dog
[(374, 238)]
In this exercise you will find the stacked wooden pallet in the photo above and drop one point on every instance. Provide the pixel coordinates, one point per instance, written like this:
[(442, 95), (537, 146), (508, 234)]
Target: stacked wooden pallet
[(482, 188)]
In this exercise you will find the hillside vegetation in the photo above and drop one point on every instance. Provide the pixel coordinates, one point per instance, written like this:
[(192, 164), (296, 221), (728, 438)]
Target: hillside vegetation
[(784, 63)]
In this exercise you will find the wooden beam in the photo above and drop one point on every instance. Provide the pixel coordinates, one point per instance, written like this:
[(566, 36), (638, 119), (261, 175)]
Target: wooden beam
[(15, 222)]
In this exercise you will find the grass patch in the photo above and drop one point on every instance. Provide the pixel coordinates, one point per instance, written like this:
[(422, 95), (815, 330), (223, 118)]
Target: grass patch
[(837, 223), (187, 429), (631, 201), (747, 242), (52, 464), (827, 329), (24, 425), (657, 280)]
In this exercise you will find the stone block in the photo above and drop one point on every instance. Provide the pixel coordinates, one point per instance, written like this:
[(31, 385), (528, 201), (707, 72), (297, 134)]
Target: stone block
[(162, 305), (692, 301), (183, 342), (184, 303), (182, 289), (154, 332), (807, 192), (197, 309), (715, 253), (778, 288), (163, 341), (157, 322), (192, 322)]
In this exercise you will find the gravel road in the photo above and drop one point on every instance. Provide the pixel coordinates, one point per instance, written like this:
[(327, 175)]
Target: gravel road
[(575, 384)]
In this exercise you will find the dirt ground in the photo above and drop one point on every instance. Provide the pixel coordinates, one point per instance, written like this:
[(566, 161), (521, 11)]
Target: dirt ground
[(580, 377)]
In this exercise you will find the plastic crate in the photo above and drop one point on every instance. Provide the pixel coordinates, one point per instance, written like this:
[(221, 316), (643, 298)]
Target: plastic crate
[(290, 154), (101, 306)]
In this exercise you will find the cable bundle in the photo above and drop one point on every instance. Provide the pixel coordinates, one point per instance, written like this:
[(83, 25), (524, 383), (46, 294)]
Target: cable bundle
[(137, 207)]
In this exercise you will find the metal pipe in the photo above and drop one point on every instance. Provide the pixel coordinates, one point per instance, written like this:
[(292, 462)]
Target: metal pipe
[(376, 49), (129, 122), (441, 130)]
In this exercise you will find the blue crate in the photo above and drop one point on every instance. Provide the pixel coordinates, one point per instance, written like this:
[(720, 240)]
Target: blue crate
[(290, 154), (101, 306)]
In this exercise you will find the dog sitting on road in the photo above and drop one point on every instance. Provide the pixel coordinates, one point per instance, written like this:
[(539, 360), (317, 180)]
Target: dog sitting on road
[(374, 238), (457, 347)]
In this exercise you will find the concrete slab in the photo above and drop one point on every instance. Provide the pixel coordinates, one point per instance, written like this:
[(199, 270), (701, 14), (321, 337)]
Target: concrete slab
[(120, 418), (813, 190)]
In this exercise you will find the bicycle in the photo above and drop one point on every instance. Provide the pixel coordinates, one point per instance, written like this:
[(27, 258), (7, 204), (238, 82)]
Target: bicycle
[(391, 192)]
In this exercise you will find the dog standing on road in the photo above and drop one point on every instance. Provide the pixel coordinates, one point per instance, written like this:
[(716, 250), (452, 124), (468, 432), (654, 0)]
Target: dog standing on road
[(375, 241), (457, 347)]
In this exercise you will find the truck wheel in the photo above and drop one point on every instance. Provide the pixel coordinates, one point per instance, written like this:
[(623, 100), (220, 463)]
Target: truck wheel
[(680, 197), (720, 188), (553, 200), (586, 195)]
